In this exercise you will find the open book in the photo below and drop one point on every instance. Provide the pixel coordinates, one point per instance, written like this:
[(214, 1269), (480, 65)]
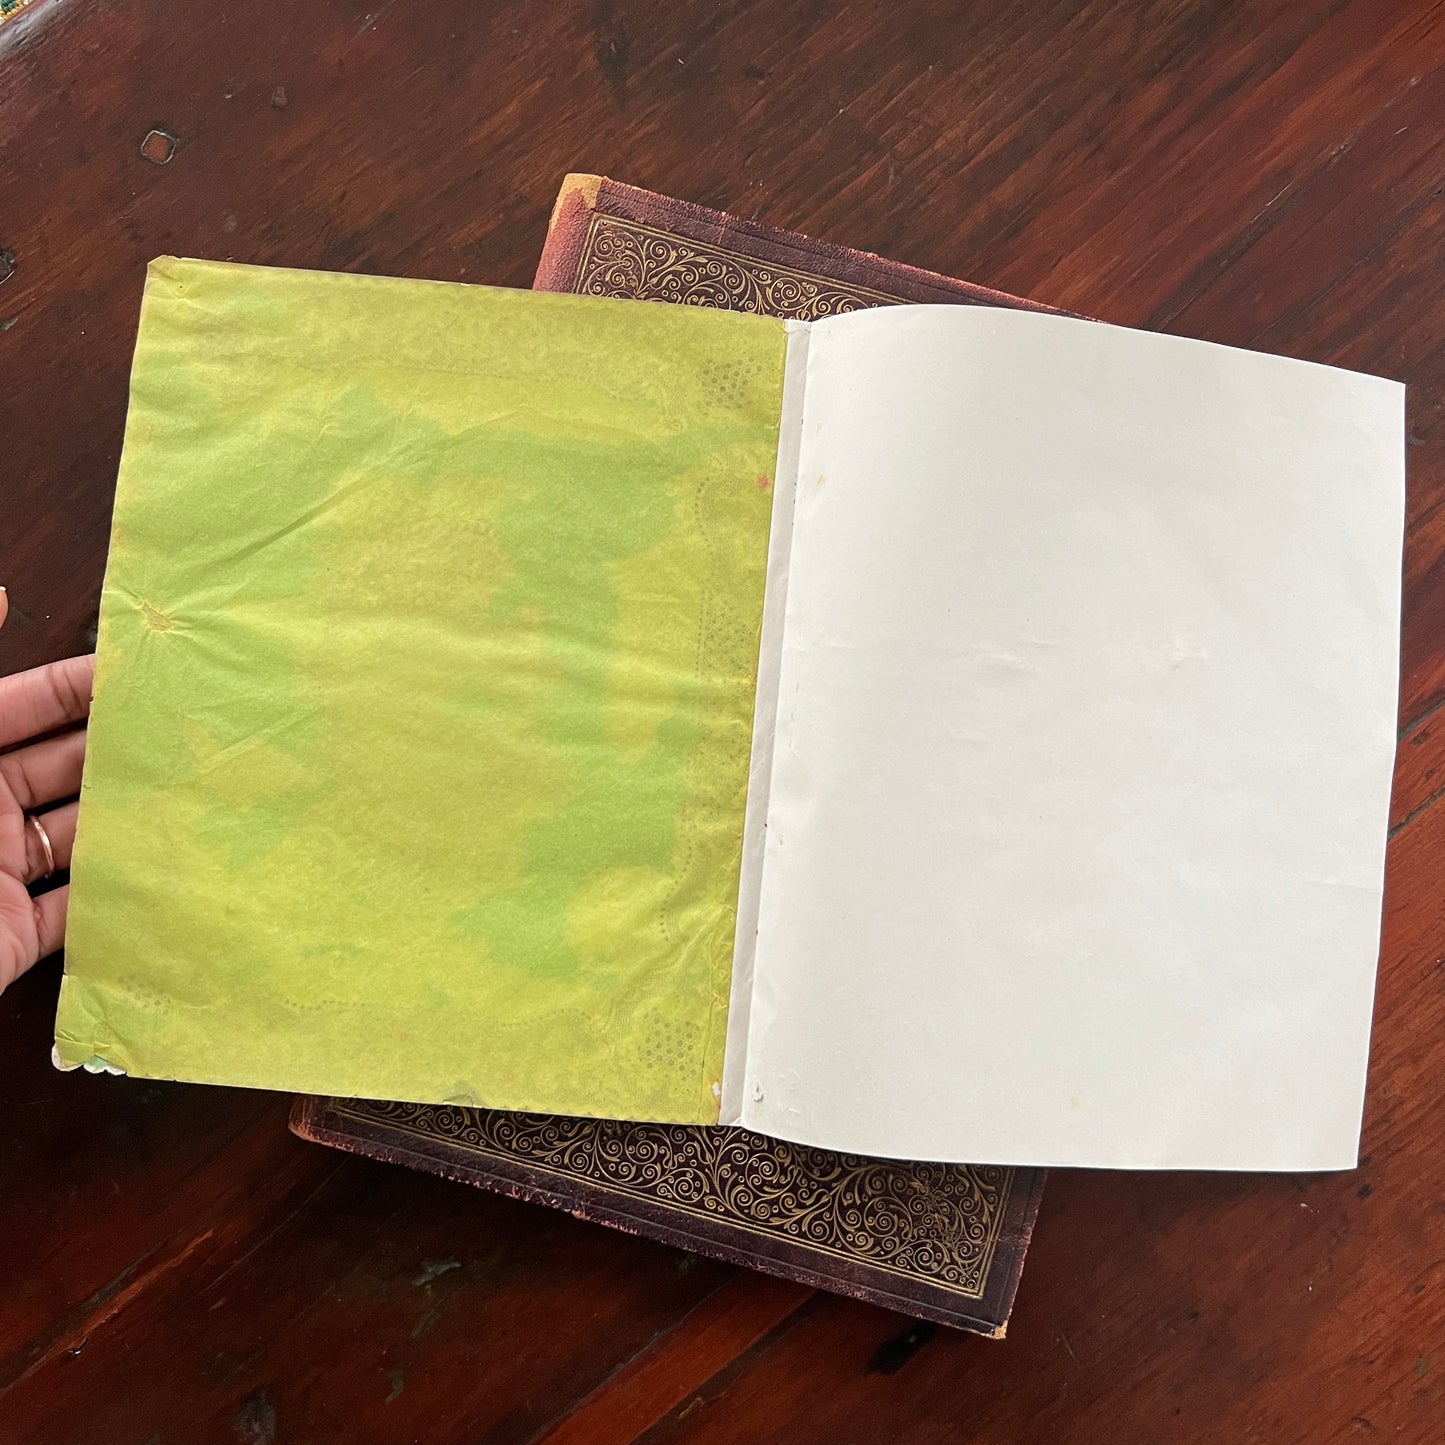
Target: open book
[(929, 732)]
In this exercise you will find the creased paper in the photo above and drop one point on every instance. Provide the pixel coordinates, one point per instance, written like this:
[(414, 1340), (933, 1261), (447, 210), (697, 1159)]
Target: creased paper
[(1076, 824), (424, 694)]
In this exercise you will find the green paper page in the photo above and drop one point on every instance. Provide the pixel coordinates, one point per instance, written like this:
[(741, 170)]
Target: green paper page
[(424, 694)]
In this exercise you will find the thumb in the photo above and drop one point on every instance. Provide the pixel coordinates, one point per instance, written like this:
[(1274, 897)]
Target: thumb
[(4, 606)]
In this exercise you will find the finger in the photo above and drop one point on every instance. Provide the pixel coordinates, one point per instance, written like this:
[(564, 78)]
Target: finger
[(50, 920), (4, 606), (43, 772), (59, 825), (45, 698)]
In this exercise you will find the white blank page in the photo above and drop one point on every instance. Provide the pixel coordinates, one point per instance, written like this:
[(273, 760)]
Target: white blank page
[(1086, 722)]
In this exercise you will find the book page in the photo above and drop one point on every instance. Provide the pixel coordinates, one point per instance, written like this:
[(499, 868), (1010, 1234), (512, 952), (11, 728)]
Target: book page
[(1085, 730), (424, 694)]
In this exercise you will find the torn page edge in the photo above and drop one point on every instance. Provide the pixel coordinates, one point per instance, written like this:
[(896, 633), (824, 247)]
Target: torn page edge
[(765, 716), (92, 1065), (82, 1048)]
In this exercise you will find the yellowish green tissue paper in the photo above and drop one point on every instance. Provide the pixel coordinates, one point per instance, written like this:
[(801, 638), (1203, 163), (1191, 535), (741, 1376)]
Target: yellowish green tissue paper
[(424, 694)]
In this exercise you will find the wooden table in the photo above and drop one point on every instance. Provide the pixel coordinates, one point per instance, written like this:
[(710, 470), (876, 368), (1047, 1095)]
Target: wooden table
[(175, 1267)]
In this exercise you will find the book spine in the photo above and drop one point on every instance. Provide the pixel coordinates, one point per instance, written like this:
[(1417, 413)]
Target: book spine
[(561, 256)]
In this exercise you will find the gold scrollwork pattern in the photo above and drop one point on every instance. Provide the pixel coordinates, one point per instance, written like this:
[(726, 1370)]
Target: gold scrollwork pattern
[(934, 1222), (626, 258)]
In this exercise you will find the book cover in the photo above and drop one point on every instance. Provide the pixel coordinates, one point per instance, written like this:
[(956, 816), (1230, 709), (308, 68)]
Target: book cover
[(764, 700), (944, 1242), (573, 705)]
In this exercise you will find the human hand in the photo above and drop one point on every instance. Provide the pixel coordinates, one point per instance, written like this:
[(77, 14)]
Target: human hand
[(36, 838)]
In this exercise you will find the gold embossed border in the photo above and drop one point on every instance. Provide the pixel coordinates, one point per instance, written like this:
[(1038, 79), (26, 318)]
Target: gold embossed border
[(628, 258), (936, 1223)]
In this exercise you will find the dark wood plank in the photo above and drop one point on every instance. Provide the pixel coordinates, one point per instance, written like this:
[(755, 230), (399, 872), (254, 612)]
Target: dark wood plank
[(666, 1374), (372, 1306), (176, 1266)]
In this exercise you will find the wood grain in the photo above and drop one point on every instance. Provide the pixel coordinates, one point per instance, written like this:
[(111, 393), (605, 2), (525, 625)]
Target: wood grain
[(176, 1268)]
